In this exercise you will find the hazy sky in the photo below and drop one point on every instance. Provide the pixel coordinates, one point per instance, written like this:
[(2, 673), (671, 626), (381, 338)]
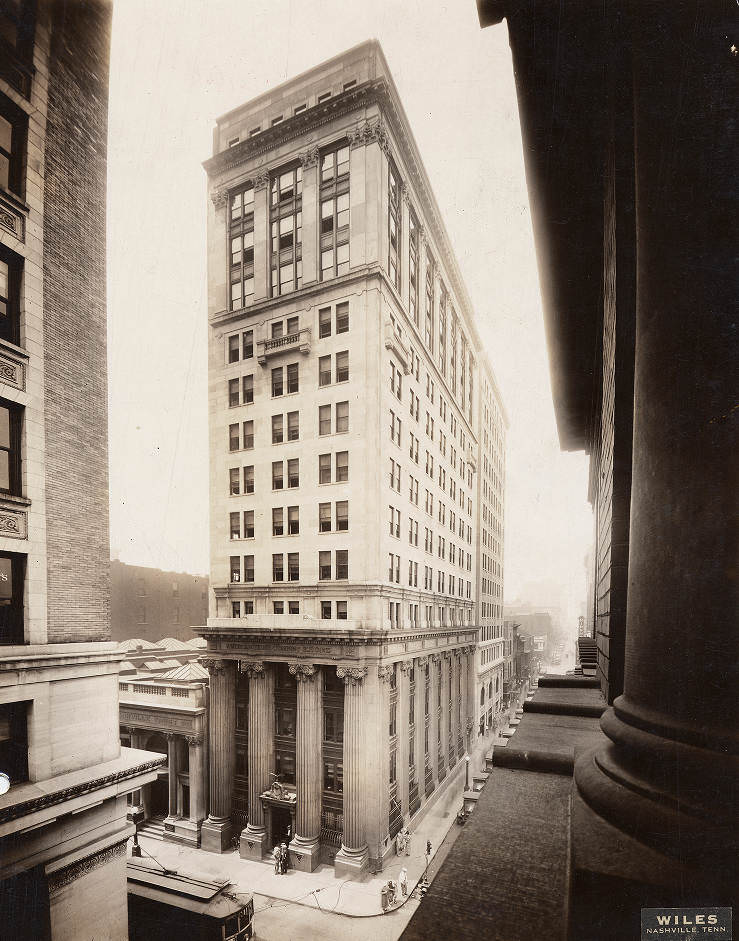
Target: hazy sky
[(176, 65)]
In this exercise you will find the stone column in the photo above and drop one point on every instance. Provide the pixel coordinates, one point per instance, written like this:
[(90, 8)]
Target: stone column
[(420, 726), (434, 709), (218, 266), (305, 848), (472, 694), (216, 830), (310, 160), (666, 779), (454, 689), (260, 754), (172, 766), (403, 735), (353, 856), (197, 777), (262, 240)]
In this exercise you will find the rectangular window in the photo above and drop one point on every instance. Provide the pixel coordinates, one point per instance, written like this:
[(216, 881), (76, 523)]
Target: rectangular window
[(324, 468), (10, 448), (342, 318), (248, 435), (394, 219), (249, 479), (341, 610), (277, 429), (233, 392), (326, 610), (342, 465), (248, 389), (278, 573), (293, 607), (293, 472), (342, 564), (277, 478), (293, 520), (292, 378), (248, 568), (342, 366), (293, 326), (248, 524), (324, 370), (293, 426), (413, 235), (241, 236), (247, 344), (278, 607), (428, 331), (334, 231), (235, 525), (233, 437), (233, 348), (278, 525), (235, 609), (324, 322), (342, 417), (277, 386), (13, 132), (12, 578), (342, 516), (324, 566), (286, 189), (293, 566), (324, 517), (234, 483), (14, 741)]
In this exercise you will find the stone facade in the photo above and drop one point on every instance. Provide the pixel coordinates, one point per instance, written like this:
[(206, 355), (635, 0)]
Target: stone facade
[(345, 427), (63, 821)]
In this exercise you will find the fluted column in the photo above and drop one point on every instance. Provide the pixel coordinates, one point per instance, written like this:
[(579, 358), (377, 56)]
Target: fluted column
[(197, 777), (305, 849), (260, 753), (216, 830), (403, 735), (172, 774), (454, 696), (434, 709), (353, 855)]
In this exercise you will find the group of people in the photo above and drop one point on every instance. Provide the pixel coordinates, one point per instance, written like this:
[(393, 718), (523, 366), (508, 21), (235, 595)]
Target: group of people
[(403, 842), (282, 859)]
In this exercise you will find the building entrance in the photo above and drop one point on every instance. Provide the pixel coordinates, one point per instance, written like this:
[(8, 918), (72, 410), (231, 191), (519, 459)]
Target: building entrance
[(159, 792), (281, 825)]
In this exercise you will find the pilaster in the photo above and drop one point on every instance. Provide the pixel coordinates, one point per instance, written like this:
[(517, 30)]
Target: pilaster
[(260, 753), (310, 161), (305, 849), (403, 734), (353, 856), (216, 830), (262, 241)]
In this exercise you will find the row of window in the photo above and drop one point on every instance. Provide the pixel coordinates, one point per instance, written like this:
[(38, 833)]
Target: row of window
[(286, 520), (331, 565)]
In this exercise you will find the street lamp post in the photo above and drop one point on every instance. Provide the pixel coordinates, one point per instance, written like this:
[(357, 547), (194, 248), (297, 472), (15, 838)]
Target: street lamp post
[(466, 772)]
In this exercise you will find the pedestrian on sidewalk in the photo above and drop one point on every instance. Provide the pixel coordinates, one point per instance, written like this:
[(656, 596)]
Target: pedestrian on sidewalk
[(284, 858), (403, 880), (278, 860)]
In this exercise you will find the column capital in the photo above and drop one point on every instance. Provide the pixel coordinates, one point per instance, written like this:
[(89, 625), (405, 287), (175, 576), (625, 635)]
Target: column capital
[(310, 157), (303, 672), (435, 657), (171, 736), (261, 179), (214, 666), (369, 132), (406, 666), (254, 669), (422, 661), (385, 672), (219, 197), (352, 676), (196, 739)]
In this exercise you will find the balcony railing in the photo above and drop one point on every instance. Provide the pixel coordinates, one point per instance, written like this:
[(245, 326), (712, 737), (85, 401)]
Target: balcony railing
[(299, 342)]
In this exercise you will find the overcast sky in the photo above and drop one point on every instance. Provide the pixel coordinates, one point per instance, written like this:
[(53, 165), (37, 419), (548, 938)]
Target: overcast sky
[(178, 64)]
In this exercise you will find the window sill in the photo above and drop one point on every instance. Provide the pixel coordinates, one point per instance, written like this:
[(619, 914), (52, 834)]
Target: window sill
[(13, 498)]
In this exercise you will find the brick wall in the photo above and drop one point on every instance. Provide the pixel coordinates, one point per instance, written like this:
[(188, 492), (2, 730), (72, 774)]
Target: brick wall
[(76, 422)]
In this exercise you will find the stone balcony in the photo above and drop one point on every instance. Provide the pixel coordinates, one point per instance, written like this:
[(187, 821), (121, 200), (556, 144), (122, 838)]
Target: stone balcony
[(394, 342), (293, 342)]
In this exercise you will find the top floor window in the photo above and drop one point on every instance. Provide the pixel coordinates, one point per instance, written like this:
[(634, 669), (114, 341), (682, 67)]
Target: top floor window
[(241, 234), (10, 448), (428, 330), (10, 272), (17, 24), (286, 220), (442, 330), (335, 213), (413, 239), (393, 262)]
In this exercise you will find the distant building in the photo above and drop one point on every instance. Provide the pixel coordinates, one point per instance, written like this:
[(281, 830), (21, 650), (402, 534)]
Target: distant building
[(347, 435), (151, 604), (63, 827)]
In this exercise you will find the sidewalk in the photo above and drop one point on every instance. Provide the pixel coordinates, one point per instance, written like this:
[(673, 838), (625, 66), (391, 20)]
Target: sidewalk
[(321, 889)]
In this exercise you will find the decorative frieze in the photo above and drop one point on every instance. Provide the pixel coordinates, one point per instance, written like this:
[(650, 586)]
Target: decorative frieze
[(12, 220), (352, 676), (12, 373), (67, 874)]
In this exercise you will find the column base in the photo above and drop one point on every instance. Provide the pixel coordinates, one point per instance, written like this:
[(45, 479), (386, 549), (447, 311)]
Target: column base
[(252, 843), (348, 863), (215, 835), (305, 855)]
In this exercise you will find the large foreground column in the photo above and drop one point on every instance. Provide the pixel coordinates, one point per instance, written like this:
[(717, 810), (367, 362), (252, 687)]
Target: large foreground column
[(353, 856), (305, 849), (665, 782), (260, 754), (216, 830)]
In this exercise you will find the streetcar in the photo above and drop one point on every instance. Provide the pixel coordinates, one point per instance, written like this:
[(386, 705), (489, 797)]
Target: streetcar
[(167, 906)]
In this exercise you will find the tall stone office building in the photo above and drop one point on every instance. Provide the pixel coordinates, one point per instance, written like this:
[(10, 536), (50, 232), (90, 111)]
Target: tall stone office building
[(345, 371), (63, 826)]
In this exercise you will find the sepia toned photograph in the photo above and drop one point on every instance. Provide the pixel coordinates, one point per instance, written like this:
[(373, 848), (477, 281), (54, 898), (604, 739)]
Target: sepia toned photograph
[(368, 470)]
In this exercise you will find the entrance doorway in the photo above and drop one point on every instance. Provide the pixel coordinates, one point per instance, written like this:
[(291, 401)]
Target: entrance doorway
[(281, 825), (159, 797)]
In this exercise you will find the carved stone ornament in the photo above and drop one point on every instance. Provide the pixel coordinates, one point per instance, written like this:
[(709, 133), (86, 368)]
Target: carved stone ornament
[(385, 672), (310, 157), (352, 676), (422, 661), (254, 669), (369, 132), (195, 739), (261, 179), (406, 665), (219, 198), (405, 194), (171, 736), (67, 874), (214, 666), (303, 672), (435, 657)]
